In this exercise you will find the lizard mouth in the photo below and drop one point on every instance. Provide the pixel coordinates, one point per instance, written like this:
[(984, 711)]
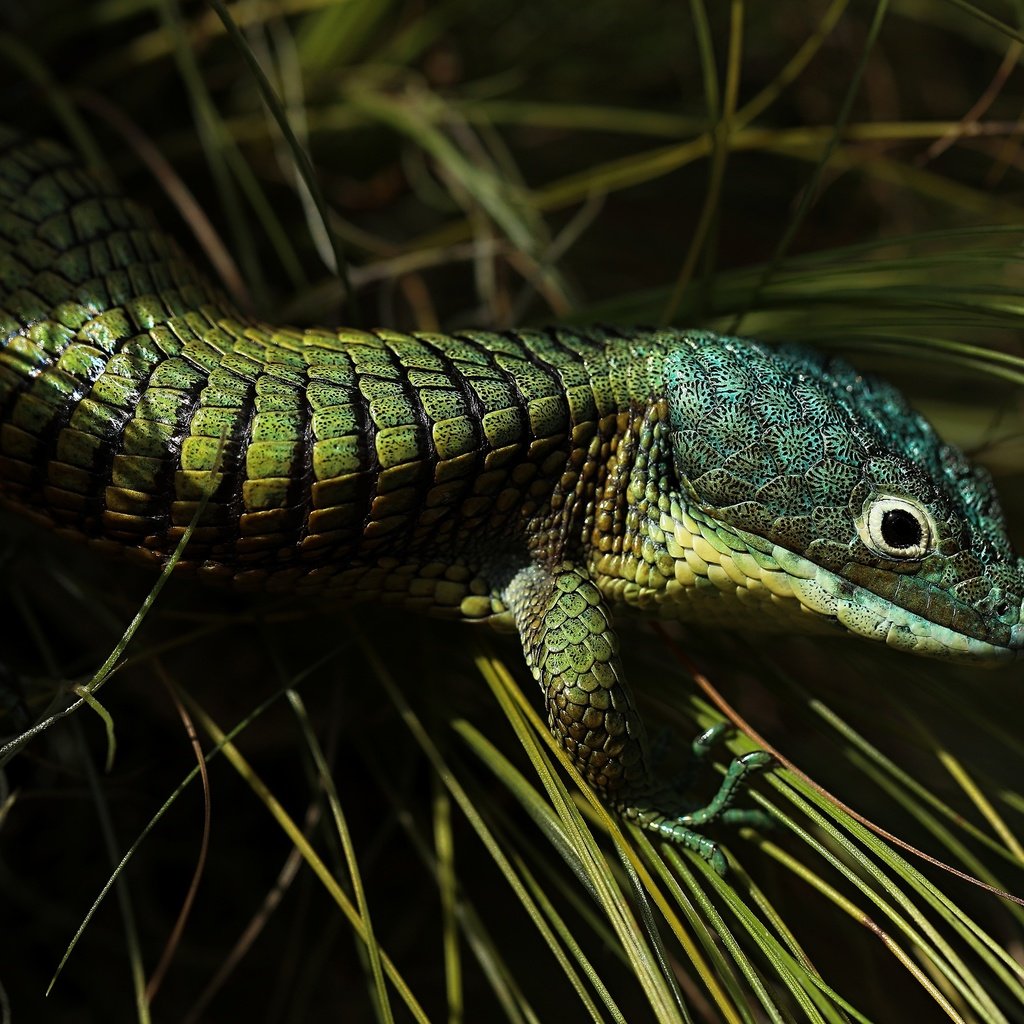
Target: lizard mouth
[(706, 550), (877, 618)]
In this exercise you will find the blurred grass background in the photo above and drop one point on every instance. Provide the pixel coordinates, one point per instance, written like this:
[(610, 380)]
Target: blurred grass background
[(847, 174)]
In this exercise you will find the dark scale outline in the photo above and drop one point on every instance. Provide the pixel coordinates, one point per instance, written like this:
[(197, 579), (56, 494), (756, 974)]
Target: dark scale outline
[(484, 447), (200, 550), (306, 474), (557, 517), (571, 526), (474, 410), (104, 470), (89, 521), (348, 548), (372, 469), (232, 466), (298, 502), (429, 457), (540, 364), (18, 156), (172, 457), (299, 489)]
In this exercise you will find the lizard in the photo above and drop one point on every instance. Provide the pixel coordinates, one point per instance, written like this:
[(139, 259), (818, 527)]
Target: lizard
[(548, 479)]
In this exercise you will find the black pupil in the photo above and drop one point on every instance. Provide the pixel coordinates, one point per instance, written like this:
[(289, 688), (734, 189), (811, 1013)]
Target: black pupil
[(900, 529)]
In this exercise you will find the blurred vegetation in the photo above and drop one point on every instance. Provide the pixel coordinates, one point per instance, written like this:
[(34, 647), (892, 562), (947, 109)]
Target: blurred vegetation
[(398, 842)]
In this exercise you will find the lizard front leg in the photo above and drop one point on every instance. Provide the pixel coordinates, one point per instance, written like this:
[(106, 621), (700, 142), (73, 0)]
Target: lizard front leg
[(572, 651)]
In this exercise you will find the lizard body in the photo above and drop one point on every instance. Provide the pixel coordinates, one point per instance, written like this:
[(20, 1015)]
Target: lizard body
[(546, 478)]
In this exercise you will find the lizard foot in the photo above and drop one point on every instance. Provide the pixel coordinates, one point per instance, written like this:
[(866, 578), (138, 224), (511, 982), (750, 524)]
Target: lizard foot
[(687, 828)]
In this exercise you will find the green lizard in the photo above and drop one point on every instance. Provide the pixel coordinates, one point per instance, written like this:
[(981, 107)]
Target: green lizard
[(543, 478)]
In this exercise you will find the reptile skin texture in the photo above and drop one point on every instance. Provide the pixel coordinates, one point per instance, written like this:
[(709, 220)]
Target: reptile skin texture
[(545, 478)]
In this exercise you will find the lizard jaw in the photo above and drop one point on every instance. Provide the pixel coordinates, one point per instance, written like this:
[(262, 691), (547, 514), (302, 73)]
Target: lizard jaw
[(829, 596), (867, 614), (699, 568)]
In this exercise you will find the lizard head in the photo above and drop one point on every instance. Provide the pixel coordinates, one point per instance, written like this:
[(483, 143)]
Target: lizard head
[(822, 487)]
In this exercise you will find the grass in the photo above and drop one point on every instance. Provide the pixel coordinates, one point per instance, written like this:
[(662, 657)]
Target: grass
[(312, 811)]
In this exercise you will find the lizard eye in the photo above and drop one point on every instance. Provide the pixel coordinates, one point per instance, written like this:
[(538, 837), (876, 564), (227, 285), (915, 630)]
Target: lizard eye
[(897, 528)]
